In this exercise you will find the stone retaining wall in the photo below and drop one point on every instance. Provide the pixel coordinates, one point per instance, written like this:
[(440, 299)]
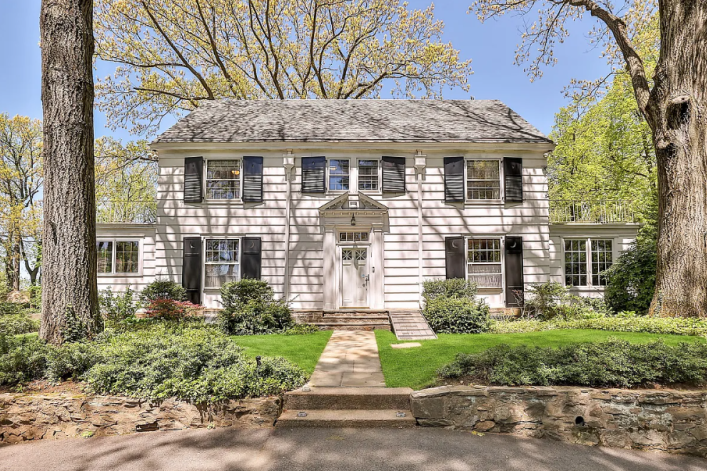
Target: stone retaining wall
[(32, 417), (661, 420)]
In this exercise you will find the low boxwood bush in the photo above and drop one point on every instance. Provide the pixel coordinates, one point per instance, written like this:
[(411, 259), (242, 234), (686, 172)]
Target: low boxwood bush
[(613, 363), (23, 358), (622, 322), (451, 307), (163, 289), (250, 307), (20, 323)]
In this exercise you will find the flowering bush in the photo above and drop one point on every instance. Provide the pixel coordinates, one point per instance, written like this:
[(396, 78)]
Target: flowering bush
[(169, 309)]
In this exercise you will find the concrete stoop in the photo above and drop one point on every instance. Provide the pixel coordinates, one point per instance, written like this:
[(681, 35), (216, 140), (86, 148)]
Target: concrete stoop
[(345, 319), (348, 407)]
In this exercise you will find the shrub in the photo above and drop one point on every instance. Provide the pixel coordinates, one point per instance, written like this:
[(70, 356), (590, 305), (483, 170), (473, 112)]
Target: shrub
[(622, 322), (71, 360), (546, 300), (7, 308), (302, 329), (35, 296), (163, 289), (22, 358), (613, 363), (250, 307), (169, 309), (118, 308), (631, 279), (20, 323), (453, 288), (194, 364), (457, 315)]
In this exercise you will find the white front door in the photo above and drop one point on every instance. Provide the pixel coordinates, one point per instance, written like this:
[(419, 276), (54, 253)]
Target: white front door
[(354, 279)]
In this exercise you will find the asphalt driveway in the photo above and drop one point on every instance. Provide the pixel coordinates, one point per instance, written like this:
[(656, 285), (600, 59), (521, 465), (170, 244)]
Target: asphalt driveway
[(328, 449)]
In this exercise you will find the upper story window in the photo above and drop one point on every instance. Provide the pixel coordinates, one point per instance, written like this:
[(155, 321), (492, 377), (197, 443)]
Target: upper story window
[(223, 179), (483, 179), (484, 262), (368, 175), (586, 259), (222, 262), (339, 175), (121, 256)]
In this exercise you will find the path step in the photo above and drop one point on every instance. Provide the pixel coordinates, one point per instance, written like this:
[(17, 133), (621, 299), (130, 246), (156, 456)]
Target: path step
[(347, 418), (342, 398), (411, 325)]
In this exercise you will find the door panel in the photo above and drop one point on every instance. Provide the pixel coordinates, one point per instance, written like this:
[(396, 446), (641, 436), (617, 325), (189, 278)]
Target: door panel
[(354, 279)]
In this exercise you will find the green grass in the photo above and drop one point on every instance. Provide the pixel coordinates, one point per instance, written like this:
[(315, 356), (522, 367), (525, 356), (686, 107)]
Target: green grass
[(302, 350), (416, 367)]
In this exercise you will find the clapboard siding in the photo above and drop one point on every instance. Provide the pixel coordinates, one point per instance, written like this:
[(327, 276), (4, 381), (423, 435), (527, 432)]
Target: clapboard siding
[(307, 272)]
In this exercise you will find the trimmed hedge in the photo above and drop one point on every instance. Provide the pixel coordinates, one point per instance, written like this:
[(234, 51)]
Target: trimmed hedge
[(614, 363), (451, 307), (654, 325)]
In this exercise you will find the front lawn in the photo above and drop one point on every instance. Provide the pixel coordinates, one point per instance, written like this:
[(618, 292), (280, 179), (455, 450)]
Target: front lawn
[(302, 350), (416, 367)]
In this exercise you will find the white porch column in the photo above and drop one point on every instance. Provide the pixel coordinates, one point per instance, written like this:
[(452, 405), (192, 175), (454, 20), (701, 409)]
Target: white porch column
[(329, 277), (288, 160), (420, 164), (377, 283)]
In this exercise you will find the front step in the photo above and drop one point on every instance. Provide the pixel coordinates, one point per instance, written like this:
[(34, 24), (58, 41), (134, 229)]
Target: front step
[(349, 399), (347, 418)]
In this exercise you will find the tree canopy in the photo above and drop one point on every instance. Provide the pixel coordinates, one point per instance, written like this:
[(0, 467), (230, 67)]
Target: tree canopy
[(172, 55)]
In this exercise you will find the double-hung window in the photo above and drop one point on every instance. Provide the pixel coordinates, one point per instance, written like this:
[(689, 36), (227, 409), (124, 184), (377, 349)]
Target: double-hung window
[(222, 262), (118, 256), (585, 260), (483, 179), (339, 174), (223, 179), (368, 175), (484, 266)]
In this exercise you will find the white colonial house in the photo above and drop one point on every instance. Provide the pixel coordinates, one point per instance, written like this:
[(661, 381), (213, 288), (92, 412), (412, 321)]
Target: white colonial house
[(343, 204)]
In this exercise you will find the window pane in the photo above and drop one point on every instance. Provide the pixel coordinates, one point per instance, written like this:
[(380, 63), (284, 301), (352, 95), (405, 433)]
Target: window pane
[(222, 250), (368, 175), (223, 179), (483, 179), (127, 256), (105, 257), (339, 175), (484, 263), (602, 258), (576, 262), (218, 274)]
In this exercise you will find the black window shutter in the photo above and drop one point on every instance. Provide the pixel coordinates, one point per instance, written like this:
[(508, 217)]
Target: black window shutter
[(513, 172), (251, 258), (191, 269), (253, 179), (313, 174), (193, 179), (514, 271), (455, 257), (453, 179), (394, 174)]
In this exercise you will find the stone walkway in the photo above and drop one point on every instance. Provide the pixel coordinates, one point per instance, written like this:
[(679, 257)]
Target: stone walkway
[(410, 325), (350, 359)]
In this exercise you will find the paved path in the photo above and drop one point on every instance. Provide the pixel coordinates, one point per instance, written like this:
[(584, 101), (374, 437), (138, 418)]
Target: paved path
[(420, 449), (350, 359), (410, 325)]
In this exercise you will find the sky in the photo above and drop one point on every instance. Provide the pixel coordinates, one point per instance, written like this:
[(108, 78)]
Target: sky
[(491, 46)]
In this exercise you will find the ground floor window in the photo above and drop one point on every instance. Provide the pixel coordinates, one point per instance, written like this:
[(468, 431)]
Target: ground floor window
[(222, 262), (118, 256), (585, 260), (484, 266)]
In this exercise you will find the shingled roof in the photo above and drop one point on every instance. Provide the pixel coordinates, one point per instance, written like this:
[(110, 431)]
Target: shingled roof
[(352, 121)]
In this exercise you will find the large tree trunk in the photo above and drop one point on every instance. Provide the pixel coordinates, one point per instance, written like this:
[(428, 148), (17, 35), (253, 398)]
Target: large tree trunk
[(678, 111), (69, 241)]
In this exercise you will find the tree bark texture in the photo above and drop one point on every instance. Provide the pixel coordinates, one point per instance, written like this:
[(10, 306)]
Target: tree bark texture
[(677, 112), (69, 241)]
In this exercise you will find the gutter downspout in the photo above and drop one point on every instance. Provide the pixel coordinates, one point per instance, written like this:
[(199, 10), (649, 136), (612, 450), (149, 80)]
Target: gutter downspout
[(288, 163), (420, 164)]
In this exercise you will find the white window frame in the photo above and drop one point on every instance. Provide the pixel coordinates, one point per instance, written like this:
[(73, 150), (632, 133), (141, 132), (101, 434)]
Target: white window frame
[(240, 180), (353, 242), (328, 181), (380, 174), (502, 248), (590, 268), (114, 241), (501, 188), (206, 262)]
